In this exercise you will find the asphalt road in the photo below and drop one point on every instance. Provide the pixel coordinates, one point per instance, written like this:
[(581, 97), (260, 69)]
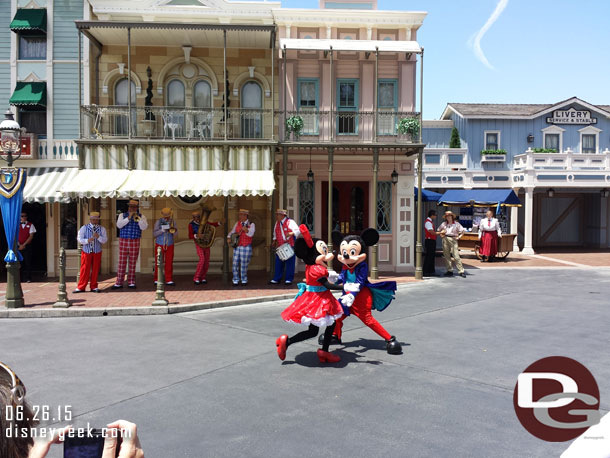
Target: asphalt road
[(210, 384)]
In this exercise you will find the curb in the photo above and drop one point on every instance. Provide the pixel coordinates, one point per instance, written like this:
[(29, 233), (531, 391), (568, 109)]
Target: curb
[(76, 312)]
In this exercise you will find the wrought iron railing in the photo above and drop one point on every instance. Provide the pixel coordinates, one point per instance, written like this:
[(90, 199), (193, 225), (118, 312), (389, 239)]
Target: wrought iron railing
[(201, 124)]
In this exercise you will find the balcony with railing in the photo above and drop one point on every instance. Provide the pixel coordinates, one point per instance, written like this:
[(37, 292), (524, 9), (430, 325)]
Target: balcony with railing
[(567, 160), (175, 123), (318, 126), (210, 124)]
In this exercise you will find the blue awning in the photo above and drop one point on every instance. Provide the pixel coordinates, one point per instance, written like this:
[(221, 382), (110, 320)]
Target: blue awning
[(480, 198), (428, 196)]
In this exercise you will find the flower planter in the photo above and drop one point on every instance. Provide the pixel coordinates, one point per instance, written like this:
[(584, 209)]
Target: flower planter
[(493, 157)]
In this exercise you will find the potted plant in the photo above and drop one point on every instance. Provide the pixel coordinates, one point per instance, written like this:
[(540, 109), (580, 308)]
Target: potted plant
[(493, 155), (409, 127), (544, 150), (295, 125)]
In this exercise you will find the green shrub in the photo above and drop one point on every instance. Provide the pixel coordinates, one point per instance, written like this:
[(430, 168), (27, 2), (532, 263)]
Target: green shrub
[(544, 150), (487, 152), (408, 126), (455, 139)]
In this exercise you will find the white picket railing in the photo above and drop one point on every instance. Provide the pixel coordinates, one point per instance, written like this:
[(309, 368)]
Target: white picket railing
[(60, 150), (568, 160)]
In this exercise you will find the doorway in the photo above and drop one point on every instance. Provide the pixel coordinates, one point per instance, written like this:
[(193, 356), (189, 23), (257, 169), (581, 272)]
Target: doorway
[(350, 207)]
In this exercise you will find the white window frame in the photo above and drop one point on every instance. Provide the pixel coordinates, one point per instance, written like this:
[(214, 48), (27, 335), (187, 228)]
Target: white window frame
[(589, 130), (554, 130), (491, 132)]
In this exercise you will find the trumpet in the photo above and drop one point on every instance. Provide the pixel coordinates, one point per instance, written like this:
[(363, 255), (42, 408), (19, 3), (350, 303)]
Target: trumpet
[(172, 227), (136, 217)]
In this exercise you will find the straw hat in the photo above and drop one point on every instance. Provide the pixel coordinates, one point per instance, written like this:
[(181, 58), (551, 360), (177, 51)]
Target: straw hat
[(282, 211), (166, 212), (195, 213), (243, 210), (94, 214), (134, 202), (448, 213)]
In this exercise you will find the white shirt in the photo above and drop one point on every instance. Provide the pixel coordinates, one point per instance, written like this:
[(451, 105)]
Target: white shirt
[(32, 228), (292, 225), (250, 232), (489, 225), (122, 221)]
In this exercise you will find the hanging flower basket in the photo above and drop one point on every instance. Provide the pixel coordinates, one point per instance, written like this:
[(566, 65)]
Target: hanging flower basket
[(295, 125)]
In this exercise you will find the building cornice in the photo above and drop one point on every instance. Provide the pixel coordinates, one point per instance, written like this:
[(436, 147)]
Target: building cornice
[(356, 18)]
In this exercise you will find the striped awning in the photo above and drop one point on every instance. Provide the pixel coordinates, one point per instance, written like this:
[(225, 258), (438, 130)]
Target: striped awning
[(95, 183), (43, 183), (153, 183)]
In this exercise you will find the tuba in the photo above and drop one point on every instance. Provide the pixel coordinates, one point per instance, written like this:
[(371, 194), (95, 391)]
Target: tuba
[(206, 232)]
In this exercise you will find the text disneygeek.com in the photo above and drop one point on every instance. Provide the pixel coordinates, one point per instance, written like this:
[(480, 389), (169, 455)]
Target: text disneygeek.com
[(49, 433)]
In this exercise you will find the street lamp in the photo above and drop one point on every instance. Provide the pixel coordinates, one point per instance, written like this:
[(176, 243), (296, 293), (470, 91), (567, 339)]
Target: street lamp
[(10, 138), (10, 144)]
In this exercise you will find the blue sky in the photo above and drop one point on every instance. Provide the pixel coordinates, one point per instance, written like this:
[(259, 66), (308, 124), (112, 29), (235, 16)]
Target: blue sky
[(541, 51)]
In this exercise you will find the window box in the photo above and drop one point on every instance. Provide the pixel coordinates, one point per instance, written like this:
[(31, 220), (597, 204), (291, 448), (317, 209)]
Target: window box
[(496, 155)]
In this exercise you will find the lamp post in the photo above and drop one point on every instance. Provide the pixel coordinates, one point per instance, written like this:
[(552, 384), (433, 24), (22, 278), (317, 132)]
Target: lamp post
[(10, 144)]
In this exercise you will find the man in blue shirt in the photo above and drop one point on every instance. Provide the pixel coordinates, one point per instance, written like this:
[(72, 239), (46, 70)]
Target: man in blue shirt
[(164, 232), (131, 224)]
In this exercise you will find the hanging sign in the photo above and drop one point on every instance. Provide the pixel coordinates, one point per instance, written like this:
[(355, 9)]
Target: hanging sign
[(571, 116)]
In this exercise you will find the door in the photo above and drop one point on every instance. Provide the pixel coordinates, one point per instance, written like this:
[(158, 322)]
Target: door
[(251, 110), (121, 121), (350, 207)]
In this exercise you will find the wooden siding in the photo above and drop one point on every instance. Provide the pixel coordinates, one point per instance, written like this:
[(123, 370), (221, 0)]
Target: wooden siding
[(65, 101), (65, 36)]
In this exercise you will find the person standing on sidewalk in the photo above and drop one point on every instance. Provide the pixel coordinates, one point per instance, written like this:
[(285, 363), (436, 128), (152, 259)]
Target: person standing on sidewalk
[(451, 231), (91, 236), (489, 232), (203, 253), (430, 245), (25, 237), (285, 232), (163, 233), (131, 225), (242, 253)]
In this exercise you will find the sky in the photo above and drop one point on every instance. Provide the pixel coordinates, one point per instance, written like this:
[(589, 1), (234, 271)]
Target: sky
[(509, 51)]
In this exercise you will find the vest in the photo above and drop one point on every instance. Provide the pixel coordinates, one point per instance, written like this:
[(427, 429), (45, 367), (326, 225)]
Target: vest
[(96, 245), (24, 232), (131, 230), (166, 238), (279, 234), (244, 240), (431, 235)]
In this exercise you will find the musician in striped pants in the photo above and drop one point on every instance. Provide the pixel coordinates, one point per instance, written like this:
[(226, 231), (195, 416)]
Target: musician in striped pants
[(91, 236)]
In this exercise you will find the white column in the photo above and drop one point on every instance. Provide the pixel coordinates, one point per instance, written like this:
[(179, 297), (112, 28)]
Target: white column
[(529, 217), (514, 226)]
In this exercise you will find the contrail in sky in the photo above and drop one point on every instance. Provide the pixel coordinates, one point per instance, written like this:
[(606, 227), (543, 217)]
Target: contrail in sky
[(478, 52)]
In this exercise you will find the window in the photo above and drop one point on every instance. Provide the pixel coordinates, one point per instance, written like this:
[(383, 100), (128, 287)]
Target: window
[(307, 95), (34, 120), (384, 207), (173, 121), (68, 231), (251, 113), (387, 105), (492, 140), (175, 94), (551, 141), (588, 144), (32, 47), (347, 104), (121, 121), (202, 124), (202, 95), (306, 204)]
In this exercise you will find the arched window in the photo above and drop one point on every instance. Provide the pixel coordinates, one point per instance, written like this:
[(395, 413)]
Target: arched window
[(202, 95), (175, 94), (121, 121), (251, 114)]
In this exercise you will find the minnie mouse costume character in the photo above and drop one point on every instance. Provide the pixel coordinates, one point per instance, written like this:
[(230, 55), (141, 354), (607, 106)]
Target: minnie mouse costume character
[(360, 295), (314, 305)]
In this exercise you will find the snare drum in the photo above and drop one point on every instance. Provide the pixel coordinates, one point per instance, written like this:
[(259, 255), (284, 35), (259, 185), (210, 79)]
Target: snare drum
[(285, 252)]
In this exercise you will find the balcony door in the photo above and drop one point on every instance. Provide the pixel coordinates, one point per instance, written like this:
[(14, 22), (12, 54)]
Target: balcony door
[(173, 120), (347, 106), (251, 110), (121, 121)]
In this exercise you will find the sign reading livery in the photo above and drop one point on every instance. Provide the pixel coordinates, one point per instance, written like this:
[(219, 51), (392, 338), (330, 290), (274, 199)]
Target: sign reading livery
[(571, 116)]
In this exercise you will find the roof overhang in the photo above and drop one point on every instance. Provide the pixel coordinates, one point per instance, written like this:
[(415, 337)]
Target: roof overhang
[(349, 45), (178, 34)]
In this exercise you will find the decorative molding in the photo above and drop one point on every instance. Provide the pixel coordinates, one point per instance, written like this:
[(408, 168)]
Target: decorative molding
[(245, 76), (209, 72), (32, 78), (115, 75)]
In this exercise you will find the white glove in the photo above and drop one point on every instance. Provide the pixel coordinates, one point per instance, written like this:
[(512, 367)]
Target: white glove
[(332, 276), (347, 300), (352, 287)]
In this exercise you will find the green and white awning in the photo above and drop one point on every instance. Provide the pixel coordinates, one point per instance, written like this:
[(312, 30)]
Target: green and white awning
[(95, 183), (30, 93), (153, 183), (43, 183), (30, 21)]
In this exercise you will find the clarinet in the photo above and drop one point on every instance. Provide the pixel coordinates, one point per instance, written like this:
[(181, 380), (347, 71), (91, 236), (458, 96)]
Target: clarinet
[(94, 230)]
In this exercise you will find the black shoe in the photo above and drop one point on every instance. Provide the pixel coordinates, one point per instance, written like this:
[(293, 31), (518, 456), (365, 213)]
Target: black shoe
[(197, 282), (273, 282), (463, 274), (393, 347), (132, 286), (288, 283), (235, 284), (117, 286), (204, 281), (334, 340), (448, 274), (95, 290), (78, 291), (171, 283), (244, 284)]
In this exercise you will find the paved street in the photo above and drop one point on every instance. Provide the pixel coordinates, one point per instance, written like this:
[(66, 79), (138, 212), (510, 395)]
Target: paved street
[(209, 383)]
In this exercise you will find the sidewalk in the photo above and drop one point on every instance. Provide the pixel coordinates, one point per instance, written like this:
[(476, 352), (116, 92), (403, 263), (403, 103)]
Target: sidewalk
[(185, 296)]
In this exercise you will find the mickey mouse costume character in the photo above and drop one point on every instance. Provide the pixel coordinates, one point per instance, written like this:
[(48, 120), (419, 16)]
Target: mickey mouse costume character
[(360, 295), (314, 305)]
